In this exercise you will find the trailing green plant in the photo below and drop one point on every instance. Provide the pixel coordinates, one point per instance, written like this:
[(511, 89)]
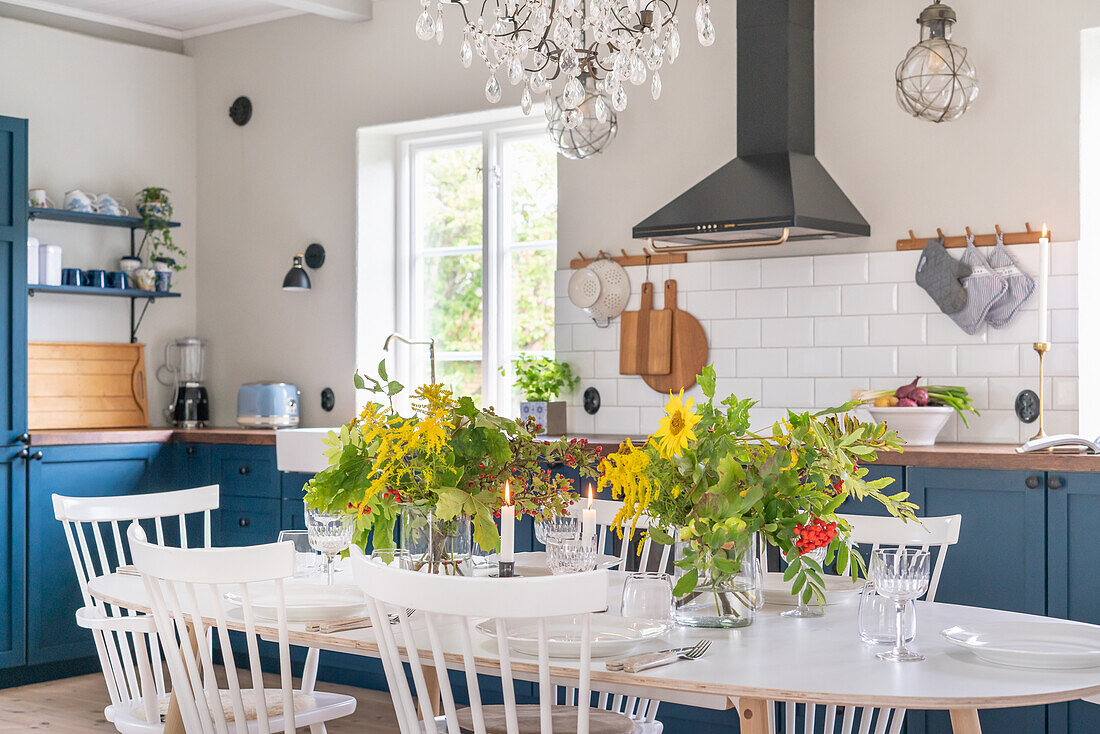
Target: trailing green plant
[(156, 213), (542, 379)]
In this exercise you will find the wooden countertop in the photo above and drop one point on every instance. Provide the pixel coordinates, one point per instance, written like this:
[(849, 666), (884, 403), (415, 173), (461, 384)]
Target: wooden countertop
[(79, 436)]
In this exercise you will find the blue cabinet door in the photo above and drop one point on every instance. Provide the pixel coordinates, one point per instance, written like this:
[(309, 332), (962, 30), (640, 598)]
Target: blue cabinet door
[(1073, 504), (53, 594), (13, 547), (999, 562), (246, 471)]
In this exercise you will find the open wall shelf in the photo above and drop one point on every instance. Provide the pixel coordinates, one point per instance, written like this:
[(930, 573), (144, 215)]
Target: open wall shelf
[(102, 220), (83, 290)]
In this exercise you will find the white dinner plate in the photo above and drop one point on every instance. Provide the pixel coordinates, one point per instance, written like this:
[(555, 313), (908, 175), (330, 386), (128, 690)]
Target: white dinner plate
[(838, 590), (305, 602), (610, 635), (1045, 645), (533, 563)]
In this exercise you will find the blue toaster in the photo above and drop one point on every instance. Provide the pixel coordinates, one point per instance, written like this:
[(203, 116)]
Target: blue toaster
[(267, 405)]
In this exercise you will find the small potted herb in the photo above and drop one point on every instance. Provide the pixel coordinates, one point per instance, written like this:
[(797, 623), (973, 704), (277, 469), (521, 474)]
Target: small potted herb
[(541, 380), (156, 212)]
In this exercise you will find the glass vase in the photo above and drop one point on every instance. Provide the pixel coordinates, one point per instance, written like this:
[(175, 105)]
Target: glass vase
[(432, 545), (722, 599)]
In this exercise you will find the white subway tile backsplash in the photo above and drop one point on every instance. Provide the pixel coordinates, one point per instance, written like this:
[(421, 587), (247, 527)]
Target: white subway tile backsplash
[(914, 299), (992, 426), (633, 390), (1063, 258), (616, 421), (735, 274), (578, 421), (764, 302), (927, 361), (724, 362), (942, 330), (869, 299), (830, 392), (1023, 328), (762, 363), (706, 305), (608, 389), (840, 269), (840, 331), (898, 329), (789, 392), (813, 362), (893, 267), (583, 363), (735, 333), (869, 362), (817, 301), (563, 338), (1064, 394), (787, 271), (690, 276), (566, 313), (592, 338), (1063, 291), (742, 387), (797, 332), (603, 364), (1063, 326), (1003, 390)]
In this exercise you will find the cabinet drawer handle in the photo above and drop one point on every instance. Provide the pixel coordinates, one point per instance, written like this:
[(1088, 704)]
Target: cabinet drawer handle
[(190, 450), (244, 470), (1032, 482), (244, 522), (1054, 482)]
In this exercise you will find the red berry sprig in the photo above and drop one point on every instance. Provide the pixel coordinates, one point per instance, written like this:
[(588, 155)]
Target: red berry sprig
[(815, 534)]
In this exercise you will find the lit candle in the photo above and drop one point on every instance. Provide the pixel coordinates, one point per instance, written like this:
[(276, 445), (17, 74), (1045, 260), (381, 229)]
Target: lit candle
[(508, 527), (588, 518), (1044, 276)]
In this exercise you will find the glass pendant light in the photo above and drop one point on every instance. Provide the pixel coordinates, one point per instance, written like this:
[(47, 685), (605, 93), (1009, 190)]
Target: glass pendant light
[(935, 80), (583, 129)]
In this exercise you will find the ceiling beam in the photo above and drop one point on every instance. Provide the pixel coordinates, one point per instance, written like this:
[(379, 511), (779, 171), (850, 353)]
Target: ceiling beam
[(351, 11)]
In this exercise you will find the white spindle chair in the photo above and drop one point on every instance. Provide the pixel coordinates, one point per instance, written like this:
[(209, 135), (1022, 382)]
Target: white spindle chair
[(441, 628), (867, 530), (643, 711), (186, 590)]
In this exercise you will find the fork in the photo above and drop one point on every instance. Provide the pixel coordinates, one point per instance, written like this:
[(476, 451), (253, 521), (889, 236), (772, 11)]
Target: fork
[(694, 653), (617, 664), (351, 623)]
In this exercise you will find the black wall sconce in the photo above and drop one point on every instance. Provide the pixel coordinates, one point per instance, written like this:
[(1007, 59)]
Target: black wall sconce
[(297, 279)]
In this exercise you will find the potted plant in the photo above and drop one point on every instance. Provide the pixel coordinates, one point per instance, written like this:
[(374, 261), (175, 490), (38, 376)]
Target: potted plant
[(541, 380), (442, 471), (717, 490), (156, 212)]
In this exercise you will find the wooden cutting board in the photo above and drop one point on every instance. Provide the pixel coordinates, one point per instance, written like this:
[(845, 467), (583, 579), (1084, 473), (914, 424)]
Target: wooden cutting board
[(689, 348), (86, 385), (645, 338)]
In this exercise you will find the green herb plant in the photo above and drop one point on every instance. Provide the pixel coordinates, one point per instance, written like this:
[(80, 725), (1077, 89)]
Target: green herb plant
[(542, 379)]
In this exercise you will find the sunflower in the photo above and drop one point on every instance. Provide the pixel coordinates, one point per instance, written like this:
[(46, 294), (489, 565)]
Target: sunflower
[(677, 426)]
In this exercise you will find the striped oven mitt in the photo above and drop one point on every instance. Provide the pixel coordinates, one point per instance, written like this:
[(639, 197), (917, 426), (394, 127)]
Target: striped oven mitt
[(1020, 286), (984, 288)]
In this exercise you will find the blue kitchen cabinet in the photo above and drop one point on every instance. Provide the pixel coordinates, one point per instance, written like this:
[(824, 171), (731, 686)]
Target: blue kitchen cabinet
[(52, 591), (13, 388), (251, 495), (293, 517), (192, 464)]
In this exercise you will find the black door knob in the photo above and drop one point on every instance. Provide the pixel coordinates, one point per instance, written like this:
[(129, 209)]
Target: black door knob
[(244, 522), (23, 438), (1054, 482), (244, 470), (190, 450), (1032, 482)]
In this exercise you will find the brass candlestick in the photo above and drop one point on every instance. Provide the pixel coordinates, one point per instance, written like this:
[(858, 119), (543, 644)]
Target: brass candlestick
[(1041, 348)]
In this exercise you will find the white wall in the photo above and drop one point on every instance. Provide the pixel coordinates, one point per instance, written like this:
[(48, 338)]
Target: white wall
[(288, 178), (105, 117)]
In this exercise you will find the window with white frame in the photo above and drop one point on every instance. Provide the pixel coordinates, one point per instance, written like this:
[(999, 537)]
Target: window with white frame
[(478, 246)]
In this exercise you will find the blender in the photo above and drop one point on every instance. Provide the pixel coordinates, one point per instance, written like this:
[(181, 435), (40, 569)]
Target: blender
[(183, 361)]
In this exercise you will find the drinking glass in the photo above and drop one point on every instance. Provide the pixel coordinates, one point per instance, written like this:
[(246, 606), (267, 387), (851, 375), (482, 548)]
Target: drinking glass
[(565, 527), (813, 609), (901, 575), (571, 556), (306, 562), (329, 533), (878, 618), (648, 595)]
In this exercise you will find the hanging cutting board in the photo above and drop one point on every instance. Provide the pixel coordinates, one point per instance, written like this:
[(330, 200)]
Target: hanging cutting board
[(86, 385), (689, 348), (645, 338)]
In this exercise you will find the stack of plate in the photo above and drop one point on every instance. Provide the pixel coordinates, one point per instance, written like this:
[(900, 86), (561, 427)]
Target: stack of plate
[(1043, 645)]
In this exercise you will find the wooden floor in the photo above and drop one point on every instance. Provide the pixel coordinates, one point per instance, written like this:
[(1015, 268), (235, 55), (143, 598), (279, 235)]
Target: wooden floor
[(75, 706)]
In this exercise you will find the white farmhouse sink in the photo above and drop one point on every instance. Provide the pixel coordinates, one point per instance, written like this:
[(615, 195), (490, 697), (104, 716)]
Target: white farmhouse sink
[(300, 449)]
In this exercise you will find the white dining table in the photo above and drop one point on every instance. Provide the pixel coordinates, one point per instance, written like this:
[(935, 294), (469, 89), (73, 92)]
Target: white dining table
[(815, 660)]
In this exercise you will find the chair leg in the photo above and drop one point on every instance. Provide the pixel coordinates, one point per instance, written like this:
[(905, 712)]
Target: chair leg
[(309, 671), (317, 729)]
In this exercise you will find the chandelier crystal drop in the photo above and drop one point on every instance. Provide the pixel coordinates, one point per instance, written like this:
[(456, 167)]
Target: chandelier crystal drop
[(586, 129), (574, 51), (935, 80)]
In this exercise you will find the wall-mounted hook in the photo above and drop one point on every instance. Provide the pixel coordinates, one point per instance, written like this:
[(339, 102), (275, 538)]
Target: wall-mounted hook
[(911, 235), (939, 232), (1028, 226), (997, 227), (968, 234)]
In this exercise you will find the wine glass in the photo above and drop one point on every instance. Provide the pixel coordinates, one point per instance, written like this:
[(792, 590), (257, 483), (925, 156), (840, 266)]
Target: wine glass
[(901, 575), (330, 534), (564, 527), (803, 609), (571, 556), (306, 562)]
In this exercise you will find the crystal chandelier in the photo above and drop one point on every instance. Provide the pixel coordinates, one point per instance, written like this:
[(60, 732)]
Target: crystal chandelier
[(935, 80), (584, 130), (568, 43)]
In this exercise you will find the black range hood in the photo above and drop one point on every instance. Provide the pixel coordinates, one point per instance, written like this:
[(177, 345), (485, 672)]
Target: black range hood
[(775, 190)]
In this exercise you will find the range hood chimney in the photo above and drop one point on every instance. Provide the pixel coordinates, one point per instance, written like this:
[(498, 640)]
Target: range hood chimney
[(775, 191)]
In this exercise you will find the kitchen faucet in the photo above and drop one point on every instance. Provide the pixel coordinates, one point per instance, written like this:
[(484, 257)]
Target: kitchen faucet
[(429, 341)]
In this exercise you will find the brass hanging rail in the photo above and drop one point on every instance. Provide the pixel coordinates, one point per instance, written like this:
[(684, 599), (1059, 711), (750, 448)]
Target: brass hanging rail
[(1030, 237), (646, 258)]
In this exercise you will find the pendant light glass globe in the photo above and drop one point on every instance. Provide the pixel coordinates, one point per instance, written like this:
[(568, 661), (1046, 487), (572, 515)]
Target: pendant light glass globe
[(585, 130), (935, 80)]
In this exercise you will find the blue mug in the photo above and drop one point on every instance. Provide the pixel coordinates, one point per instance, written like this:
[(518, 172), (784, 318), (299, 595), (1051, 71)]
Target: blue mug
[(164, 280), (96, 279), (72, 276), (118, 279)]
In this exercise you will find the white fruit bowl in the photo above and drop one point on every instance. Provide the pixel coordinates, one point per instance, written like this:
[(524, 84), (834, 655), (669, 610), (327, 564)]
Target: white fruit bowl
[(917, 426)]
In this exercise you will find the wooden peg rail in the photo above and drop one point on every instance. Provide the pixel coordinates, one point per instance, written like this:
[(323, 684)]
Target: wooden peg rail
[(646, 258), (1030, 237)]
